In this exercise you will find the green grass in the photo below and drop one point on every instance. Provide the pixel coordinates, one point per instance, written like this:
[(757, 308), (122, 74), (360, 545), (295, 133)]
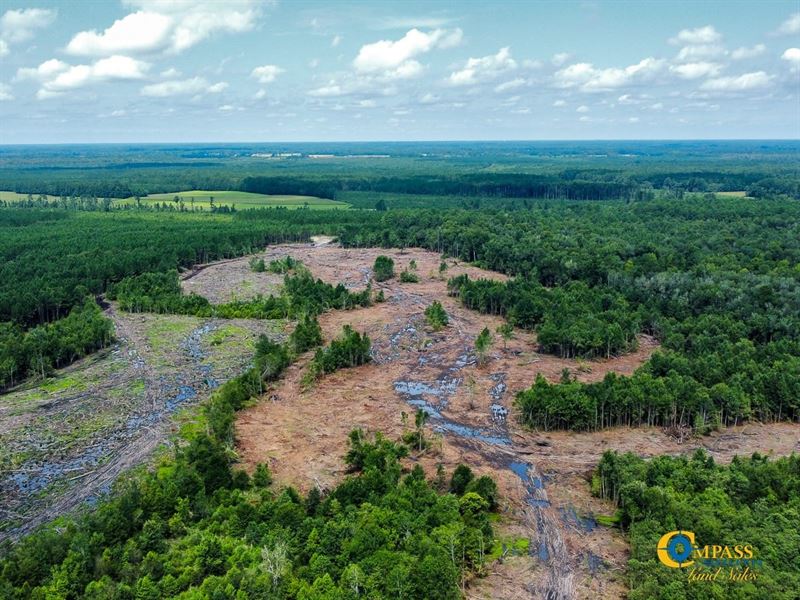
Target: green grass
[(514, 547), (240, 199), (608, 520), (15, 197), (62, 383)]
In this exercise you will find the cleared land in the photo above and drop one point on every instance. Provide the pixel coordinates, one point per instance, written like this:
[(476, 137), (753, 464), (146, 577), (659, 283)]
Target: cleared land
[(201, 199), (544, 478), (64, 441)]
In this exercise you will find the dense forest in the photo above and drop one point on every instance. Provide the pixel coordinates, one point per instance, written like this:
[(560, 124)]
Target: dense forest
[(753, 501), (555, 170)]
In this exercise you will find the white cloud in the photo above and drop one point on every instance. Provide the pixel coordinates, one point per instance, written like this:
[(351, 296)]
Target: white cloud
[(582, 109), (627, 99), (260, 94), (560, 58), (136, 32), (164, 26), (792, 55), (429, 99), (337, 39), (700, 52), (266, 73), (44, 71), (738, 83), (744, 52), (170, 73), (20, 25), (5, 92), (510, 85), (195, 85), (118, 113), (589, 79), (395, 59), (790, 26), (696, 70), (480, 69), (633, 120), (584, 119), (367, 103), (558, 103), (113, 67), (331, 89), (698, 36), (57, 76)]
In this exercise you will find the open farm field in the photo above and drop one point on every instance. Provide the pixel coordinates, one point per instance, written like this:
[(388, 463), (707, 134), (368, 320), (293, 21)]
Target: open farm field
[(202, 199)]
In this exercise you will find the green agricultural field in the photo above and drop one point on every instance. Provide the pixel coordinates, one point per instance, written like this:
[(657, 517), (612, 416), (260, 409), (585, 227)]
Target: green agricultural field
[(202, 200), (15, 197)]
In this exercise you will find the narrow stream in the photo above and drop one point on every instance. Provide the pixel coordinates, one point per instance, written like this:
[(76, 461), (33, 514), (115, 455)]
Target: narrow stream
[(433, 397)]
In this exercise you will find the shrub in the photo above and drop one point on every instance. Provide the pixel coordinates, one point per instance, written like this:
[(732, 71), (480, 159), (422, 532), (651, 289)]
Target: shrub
[(383, 268)]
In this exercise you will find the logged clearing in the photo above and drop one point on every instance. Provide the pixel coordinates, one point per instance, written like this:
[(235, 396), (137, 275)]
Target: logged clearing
[(64, 441), (543, 478)]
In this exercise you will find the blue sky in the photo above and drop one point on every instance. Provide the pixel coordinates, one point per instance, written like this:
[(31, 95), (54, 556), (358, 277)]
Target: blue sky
[(249, 70)]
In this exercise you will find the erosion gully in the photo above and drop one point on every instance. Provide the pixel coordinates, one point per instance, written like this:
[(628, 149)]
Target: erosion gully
[(496, 446)]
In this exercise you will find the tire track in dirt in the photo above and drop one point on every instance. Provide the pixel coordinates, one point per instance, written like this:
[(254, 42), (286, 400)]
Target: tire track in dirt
[(91, 472)]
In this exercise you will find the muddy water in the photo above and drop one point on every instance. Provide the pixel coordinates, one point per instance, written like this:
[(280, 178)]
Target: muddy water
[(432, 397)]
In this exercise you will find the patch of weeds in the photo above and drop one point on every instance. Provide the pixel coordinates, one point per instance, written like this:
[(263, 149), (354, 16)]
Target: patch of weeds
[(508, 546)]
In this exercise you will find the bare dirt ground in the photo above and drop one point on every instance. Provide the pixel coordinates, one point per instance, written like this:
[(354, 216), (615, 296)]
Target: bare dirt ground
[(64, 441), (544, 478)]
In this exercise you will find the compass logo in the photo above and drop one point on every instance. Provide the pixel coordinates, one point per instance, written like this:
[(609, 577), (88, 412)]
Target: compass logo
[(676, 548)]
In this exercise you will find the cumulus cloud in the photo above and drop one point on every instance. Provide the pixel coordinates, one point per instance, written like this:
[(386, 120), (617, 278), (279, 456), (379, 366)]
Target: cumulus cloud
[(330, 89), (695, 37), (57, 77), (792, 56), (738, 83), (590, 79), (5, 92), (20, 25), (266, 73), (703, 51), (183, 87), (510, 85), (790, 26), (582, 109), (337, 39), (162, 26), (558, 103), (396, 59), (744, 52), (480, 69), (696, 70)]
